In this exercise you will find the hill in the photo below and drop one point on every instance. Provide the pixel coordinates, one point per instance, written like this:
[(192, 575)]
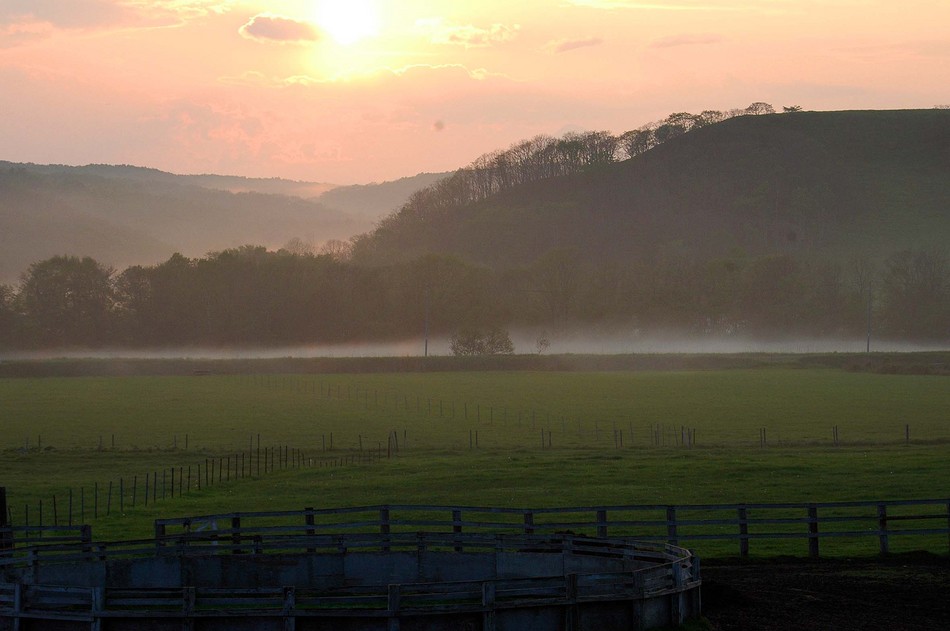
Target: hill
[(791, 226), (127, 215), (123, 221), (838, 185), (229, 183), (374, 201)]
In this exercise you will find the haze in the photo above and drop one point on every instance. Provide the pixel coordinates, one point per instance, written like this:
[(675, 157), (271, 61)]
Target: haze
[(577, 343), (373, 90)]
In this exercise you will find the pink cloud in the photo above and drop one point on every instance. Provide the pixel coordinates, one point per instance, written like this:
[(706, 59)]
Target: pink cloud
[(563, 46), (467, 35), (66, 14), (686, 40), (265, 27)]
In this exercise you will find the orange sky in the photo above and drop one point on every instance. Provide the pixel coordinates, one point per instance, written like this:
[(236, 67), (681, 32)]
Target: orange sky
[(355, 91)]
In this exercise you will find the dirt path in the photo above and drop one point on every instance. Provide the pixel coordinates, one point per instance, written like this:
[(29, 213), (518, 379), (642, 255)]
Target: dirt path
[(910, 592)]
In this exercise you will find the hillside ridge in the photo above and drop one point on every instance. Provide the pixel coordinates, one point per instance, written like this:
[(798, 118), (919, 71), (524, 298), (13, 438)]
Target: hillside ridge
[(807, 183)]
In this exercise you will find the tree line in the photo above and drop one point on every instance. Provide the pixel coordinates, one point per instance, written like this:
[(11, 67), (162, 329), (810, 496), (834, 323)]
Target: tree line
[(544, 157), (252, 296)]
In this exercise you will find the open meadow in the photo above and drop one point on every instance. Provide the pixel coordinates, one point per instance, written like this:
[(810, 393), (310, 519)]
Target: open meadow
[(219, 443)]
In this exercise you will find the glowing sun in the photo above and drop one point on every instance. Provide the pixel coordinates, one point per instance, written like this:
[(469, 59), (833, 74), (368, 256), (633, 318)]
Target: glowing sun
[(348, 21)]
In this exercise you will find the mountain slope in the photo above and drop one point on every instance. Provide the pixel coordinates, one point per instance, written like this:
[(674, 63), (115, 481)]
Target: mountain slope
[(835, 184), (373, 201), (126, 215), (123, 221)]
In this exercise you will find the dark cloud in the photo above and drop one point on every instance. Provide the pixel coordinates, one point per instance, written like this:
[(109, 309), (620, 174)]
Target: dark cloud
[(274, 28)]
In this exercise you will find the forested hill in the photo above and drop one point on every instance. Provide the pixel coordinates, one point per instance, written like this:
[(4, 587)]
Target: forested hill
[(831, 185), (770, 225)]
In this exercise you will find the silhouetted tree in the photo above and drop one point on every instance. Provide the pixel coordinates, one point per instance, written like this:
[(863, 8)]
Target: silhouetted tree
[(67, 301)]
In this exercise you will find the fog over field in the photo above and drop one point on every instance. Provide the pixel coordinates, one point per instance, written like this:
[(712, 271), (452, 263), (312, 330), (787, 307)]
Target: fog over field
[(525, 343)]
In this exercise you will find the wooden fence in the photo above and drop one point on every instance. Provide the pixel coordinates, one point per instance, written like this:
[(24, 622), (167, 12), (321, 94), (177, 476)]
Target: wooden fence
[(648, 571), (85, 504), (290, 603), (749, 527), (736, 529)]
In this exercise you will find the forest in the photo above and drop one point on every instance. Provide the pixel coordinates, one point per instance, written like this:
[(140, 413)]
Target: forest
[(251, 296), (743, 223)]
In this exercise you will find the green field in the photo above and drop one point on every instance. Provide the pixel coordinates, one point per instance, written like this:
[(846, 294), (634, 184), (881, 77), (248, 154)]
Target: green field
[(544, 439)]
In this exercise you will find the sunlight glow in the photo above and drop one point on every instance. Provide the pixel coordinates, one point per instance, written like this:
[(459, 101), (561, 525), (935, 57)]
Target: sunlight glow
[(348, 21)]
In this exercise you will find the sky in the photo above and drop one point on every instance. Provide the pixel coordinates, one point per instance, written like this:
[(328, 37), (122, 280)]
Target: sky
[(359, 91)]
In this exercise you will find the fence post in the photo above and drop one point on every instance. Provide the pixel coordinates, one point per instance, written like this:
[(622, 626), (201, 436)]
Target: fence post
[(882, 528), (159, 535), (308, 519), (529, 523), (384, 527), (85, 535), (743, 531), (17, 602), (677, 617), (188, 602), (488, 602), (290, 603), (602, 523), (671, 537), (570, 609), (948, 525), (636, 602), (236, 535), (393, 599), (6, 536), (813, 531), (98, 604), (457, 526)]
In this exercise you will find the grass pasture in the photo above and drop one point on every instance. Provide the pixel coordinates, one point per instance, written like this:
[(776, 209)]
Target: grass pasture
[(544, 439)]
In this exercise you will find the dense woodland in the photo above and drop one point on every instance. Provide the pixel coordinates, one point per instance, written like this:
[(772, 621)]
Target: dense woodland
[(252, 296), (721, 223)]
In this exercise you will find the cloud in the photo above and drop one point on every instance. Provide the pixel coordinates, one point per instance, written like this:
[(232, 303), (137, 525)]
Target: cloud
[(679, 5), (686, 40), (424, 74), (25, 21), (565, 45), (64, 14), (256, 79), (469, 36), (12, 35), (266, 27), (418, 70)]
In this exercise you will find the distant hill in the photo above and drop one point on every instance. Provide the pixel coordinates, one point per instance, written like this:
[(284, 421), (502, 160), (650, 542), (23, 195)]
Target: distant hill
[(229, 183), (373, 201), (827, 184), (125, 215)]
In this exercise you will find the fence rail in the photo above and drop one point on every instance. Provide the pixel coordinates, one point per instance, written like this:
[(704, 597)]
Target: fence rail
[(747, 525), (820, 527), (618, 571), (87, 604)]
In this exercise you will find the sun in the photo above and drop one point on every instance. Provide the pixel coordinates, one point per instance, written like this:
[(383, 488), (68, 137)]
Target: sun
[(348, 21)]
